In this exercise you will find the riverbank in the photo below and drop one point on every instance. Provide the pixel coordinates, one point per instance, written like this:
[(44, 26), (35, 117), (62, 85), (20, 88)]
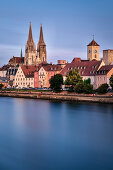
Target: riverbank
[(58, 96)]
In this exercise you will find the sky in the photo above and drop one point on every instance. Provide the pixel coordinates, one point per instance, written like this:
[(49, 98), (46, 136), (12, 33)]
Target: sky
[(68, 26)]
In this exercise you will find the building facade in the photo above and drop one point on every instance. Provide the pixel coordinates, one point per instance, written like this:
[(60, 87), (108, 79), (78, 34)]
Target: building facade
[(25, 76), (33, 56), (103, 75), (108, 56), (93, 51), (44, 74)]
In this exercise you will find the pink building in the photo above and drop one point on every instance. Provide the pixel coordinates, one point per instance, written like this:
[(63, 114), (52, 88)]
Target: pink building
[(103, 75), (44, 74)]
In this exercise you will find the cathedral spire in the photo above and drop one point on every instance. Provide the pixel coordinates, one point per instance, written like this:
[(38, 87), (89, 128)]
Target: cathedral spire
[(41, 39), (30, 37)]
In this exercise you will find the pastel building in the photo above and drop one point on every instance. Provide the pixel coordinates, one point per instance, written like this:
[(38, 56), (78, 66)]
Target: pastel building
[(103, 75), (87, 69), (25, 76), (44, 74)]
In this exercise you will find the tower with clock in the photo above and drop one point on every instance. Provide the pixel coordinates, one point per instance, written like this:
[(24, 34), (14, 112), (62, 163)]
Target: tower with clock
[(93, 51)]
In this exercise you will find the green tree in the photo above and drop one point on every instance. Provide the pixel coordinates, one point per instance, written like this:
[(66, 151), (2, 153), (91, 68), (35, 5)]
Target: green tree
[(111, 81), (79, 88), (88, 81), (73, 78), (56, 82), (1, 86), (88, 89), (103, 89)]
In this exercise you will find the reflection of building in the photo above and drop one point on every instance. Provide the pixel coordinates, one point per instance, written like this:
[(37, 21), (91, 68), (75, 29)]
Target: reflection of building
[(103, 75), (93, 51), (108, 56), (44, 74), (31, 57)]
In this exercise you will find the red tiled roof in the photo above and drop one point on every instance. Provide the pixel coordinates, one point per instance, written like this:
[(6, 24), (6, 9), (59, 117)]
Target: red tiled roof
[(50, 67), (29, 70), (86, 68), (4, 68), (104, 70), (18, 60), (93, 43)]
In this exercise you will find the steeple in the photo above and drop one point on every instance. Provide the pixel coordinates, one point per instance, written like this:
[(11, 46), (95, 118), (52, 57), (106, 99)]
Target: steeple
[(30, 37), (41, 39)]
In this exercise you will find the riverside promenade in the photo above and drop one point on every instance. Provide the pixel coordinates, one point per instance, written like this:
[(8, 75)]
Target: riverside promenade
[(59, 96)]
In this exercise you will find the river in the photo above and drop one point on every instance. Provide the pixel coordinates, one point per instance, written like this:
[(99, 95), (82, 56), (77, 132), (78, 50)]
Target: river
[(49, 135)]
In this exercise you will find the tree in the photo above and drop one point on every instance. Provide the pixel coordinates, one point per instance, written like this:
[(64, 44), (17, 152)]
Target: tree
[(88, 89), (1, 85), (79, 88), (111, 81), (88, 81), (56, 82), (73, 78), (103, 89)]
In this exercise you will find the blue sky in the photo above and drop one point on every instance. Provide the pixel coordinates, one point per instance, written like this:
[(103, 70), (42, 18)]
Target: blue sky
[(68, 26)]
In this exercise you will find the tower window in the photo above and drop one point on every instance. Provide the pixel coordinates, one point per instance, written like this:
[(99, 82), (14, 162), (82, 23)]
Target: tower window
[(95, 56)]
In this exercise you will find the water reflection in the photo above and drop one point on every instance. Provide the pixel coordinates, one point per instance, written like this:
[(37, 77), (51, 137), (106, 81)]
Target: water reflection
[(37, 134)]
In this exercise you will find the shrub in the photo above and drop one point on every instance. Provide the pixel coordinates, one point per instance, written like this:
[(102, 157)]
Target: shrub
[(1, 85), (103, 89), (88, 89), (111, 81), (79, 88)]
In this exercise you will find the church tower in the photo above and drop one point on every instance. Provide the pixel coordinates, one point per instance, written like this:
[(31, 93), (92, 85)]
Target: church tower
[(93, 50), (41, 49), (30, 50)]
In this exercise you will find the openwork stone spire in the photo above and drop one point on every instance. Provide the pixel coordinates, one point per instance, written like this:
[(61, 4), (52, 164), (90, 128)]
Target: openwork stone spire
[(30, 37), (41, 38)]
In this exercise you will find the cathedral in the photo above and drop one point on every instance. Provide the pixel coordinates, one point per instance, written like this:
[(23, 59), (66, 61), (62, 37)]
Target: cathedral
[(35, 56)]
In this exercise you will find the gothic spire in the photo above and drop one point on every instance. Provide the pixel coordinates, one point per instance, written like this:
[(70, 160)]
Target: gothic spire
[(41, 39), (30, 38)]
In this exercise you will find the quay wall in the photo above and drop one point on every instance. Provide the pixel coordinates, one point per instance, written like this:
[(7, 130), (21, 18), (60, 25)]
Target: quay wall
[(59, 96)]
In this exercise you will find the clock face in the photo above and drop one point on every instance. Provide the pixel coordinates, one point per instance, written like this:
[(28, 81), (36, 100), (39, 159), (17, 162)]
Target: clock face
[(95, 51)]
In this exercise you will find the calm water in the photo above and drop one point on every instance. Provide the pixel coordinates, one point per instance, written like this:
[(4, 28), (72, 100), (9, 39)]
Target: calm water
[(45, 135)]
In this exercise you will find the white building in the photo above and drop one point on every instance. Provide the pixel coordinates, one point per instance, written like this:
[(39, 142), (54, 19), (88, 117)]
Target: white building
[(25, 76)]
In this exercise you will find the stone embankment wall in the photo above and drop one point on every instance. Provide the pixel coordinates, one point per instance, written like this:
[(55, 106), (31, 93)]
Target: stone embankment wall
[(58, 96)]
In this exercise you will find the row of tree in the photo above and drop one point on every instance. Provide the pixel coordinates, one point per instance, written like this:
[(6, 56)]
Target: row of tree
[(76, 84)]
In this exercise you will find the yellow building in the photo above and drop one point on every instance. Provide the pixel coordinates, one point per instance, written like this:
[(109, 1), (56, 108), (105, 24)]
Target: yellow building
[(93, 51)]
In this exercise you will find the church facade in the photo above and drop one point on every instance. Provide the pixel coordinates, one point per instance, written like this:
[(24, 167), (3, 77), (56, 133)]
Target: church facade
[(35, 56)]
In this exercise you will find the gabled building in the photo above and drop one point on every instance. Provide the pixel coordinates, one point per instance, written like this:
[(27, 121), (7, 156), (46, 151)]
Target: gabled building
[(25, 76), (103, 75), (16, 61), (44, 74), (87, 69), (3, 70)]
